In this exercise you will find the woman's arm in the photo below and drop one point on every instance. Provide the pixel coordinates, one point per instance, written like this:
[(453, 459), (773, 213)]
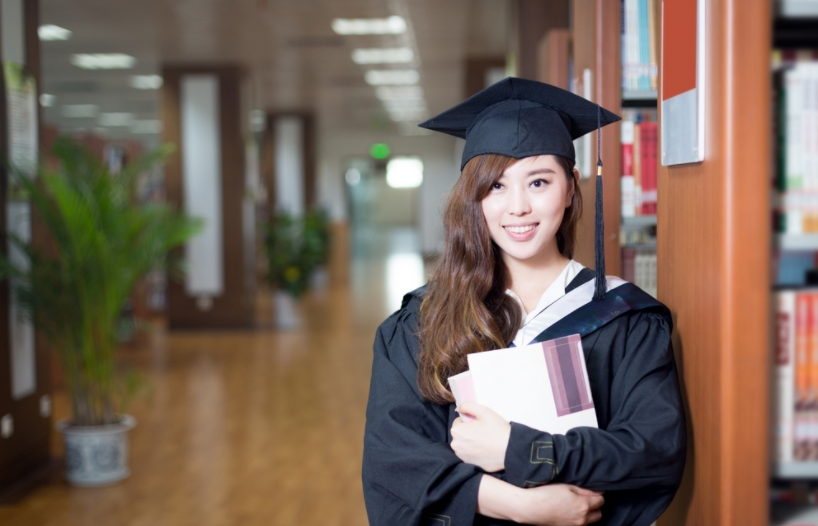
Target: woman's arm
[(410, 475), (552, 505), (644, 442)]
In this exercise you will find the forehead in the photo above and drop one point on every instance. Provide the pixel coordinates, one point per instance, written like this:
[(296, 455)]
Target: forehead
[(536, 162)]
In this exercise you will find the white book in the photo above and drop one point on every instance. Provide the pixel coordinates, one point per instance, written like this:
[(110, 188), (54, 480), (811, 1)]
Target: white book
[(784, 388), (544, 386)]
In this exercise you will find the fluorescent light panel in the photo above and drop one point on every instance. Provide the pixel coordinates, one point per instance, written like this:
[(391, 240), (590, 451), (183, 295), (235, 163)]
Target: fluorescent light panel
[(405, 104), (398, 92), (115, 119), (80, 111), (387, 77), (404, 172), (408, 115), (394, 55), (146, 81), (393, 25), (52, 32), (103, 60), (147, 126)]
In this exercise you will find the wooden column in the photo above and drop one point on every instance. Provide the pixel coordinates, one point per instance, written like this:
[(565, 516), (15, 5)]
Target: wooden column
[(534, 18), (553, 53), (235, 306), (596, 43), (26, 454), (714, 254)]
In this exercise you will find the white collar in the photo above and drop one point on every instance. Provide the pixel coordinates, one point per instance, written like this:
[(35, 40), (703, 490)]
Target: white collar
[(554, 291)]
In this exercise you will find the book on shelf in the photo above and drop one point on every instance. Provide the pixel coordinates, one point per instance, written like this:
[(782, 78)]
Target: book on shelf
[(639, 268), (795, 409), (640, 45), (795, 126), (544, 385), (639, 168)]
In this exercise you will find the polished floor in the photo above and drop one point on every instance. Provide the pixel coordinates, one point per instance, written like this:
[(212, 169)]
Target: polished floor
[(261, 427)]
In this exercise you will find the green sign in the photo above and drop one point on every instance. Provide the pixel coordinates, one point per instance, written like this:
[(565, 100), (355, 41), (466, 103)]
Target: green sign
[(379, 151)]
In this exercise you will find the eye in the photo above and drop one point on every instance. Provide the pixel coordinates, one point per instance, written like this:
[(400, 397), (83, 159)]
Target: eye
[(539, 183), (497, 186)]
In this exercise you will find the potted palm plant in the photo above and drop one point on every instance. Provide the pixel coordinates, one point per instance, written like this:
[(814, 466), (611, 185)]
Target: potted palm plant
[(296, 248), (101, 241)]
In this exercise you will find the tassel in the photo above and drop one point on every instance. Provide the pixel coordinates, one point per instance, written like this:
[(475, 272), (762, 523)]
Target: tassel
[(599, 225)]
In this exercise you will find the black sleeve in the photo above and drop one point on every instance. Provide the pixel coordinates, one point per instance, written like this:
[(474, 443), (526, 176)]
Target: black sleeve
[(410, 474), (644, 443)]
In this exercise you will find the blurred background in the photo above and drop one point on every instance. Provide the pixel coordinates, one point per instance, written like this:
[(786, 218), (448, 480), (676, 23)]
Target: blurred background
[(315, 203)]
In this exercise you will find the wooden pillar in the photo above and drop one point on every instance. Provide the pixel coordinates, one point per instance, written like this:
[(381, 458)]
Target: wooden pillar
[(714, 257), (533, 19), (553, 53), (596, 44), (222, 293), (26, 453)]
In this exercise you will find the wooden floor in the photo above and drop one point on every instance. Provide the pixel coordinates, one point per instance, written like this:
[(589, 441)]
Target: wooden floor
[(254, 427)]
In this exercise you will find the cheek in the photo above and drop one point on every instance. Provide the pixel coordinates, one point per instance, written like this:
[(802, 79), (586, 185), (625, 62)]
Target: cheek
[(492, 209)]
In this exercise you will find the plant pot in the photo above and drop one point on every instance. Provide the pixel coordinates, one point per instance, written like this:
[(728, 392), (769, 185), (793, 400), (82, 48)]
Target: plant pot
[(285, 310), (96, 455)]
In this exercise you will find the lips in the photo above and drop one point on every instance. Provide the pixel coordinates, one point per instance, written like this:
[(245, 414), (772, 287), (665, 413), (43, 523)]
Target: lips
[(521, 232)]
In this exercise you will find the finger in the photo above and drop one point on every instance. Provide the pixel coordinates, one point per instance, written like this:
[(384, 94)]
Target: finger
[(456, 422), (585, 492), (595, 502), (594, 516), (469, 408)]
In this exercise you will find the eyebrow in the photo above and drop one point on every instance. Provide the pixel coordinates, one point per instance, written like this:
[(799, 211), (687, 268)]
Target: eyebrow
[(541, 171)]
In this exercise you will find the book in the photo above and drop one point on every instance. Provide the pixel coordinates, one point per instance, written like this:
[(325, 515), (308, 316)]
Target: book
[(544, 385), (784, 406), (628, 184)]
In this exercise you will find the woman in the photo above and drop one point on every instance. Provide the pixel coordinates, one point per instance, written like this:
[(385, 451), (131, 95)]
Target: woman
[(506, 277)]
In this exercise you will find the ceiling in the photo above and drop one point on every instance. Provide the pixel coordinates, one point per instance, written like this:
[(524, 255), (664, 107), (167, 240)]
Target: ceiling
[(293, 58)]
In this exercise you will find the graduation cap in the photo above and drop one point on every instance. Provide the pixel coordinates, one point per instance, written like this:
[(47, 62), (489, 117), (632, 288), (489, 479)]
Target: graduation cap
[(521, 118)]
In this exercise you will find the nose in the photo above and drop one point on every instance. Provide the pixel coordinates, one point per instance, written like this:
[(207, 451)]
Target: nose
[(518, 202)]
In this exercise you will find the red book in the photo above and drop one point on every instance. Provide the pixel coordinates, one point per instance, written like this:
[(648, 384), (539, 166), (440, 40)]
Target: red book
[(647, 151)]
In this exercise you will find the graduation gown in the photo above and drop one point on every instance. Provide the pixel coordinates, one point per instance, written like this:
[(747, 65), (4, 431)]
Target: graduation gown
[(412, 477)]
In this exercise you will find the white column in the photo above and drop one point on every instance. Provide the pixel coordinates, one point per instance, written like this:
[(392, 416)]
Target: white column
[(289, 165), (202, 184)]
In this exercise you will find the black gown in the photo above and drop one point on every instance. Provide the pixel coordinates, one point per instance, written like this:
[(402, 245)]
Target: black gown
[(412, 477)]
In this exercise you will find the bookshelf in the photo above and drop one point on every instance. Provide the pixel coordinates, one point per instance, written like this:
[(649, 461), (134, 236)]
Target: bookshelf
[(713, 249)]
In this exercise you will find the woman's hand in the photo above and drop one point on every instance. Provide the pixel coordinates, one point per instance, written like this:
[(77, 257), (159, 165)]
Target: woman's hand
[(560, 505), (550, 505), (483, 440)]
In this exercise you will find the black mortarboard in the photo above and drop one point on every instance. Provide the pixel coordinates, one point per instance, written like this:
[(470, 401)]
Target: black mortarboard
[(521, 118)]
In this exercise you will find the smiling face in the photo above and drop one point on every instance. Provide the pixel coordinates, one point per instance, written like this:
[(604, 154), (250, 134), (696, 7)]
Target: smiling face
[(525, 207)]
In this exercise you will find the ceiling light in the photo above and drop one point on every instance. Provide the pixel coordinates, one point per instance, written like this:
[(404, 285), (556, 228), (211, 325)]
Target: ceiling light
[(148, 126), (404, 172), (381, 77), (405, 104), (146, 81), (52, 32), (394, 55), (103, 60), (115, 119), (80, 111), (394, 25), (399, 92), (353, 176), (407, 115), (47, 100)]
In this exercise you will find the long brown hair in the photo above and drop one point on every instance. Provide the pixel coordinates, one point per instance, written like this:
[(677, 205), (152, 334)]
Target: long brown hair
[(466, 308)]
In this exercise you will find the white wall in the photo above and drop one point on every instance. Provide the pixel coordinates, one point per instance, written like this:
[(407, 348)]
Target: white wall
[(439, 174)]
